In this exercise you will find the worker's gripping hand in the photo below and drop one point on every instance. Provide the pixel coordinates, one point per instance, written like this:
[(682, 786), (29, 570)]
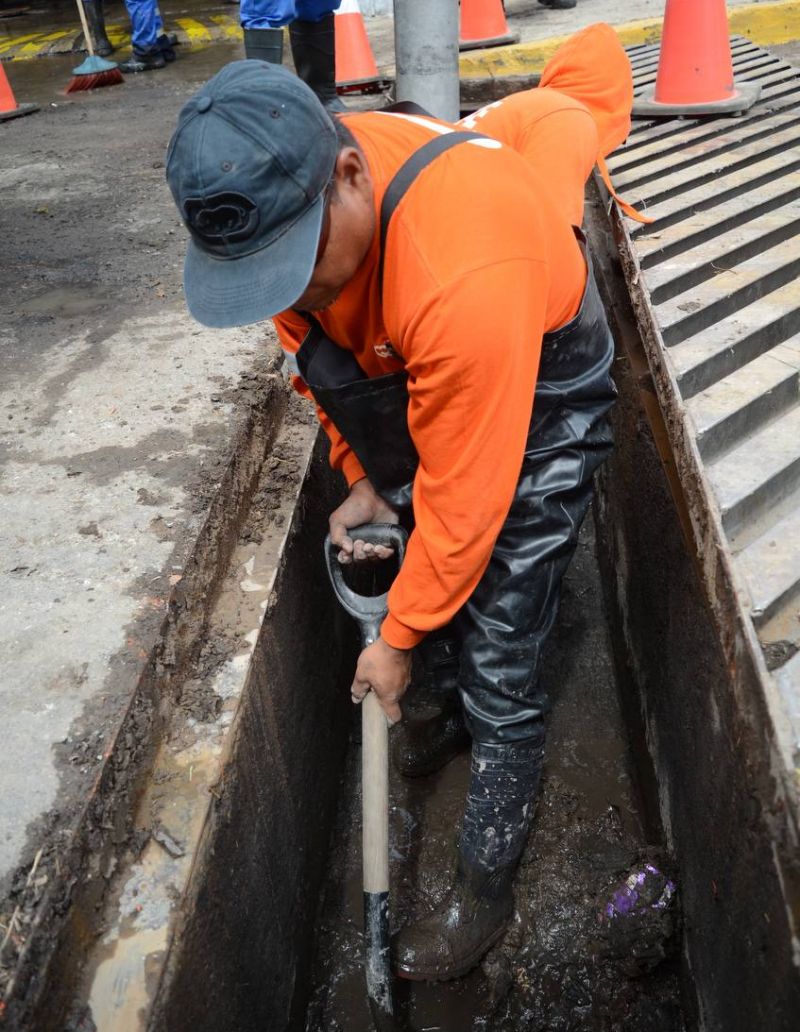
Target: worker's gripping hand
[(362, 505), (385, 671)]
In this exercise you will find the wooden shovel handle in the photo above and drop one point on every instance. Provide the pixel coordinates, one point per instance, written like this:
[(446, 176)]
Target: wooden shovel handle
[(375, 794)]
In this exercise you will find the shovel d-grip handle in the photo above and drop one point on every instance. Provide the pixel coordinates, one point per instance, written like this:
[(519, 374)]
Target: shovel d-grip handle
[(367, 610)]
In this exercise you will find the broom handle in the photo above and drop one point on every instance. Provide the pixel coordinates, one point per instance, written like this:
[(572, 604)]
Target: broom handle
[(84, 23)]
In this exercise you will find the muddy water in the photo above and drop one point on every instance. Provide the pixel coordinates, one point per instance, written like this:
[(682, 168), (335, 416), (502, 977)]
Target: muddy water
[(570, 961)]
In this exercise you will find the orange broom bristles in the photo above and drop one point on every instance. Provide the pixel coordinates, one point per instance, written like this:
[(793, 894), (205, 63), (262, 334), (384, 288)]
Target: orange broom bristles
[(94, 80)]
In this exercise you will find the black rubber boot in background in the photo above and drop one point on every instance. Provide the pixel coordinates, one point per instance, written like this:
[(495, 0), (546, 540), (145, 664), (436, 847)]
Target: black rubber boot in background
[(166, 45), (143, 61), (314, 53), (478, 908), (423, 744), (97, 28), (264, 45)]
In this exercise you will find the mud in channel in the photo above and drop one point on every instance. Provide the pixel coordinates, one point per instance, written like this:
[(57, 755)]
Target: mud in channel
[(594, 942)]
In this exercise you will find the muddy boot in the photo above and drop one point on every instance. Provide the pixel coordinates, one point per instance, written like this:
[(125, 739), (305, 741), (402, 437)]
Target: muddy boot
[(424, 744), (166, 45), (143, 61), (314, 53), (97, 28), (264, 45), (478, 908)]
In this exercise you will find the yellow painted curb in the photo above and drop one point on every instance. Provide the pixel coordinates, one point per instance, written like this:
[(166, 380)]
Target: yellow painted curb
[(217, 27), (766, 24)]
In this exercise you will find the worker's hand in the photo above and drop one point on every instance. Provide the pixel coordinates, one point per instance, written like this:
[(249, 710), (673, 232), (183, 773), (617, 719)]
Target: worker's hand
[(362, 505), (385, 671)]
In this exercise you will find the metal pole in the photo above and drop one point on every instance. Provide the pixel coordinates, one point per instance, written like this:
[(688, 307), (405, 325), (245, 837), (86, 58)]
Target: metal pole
[(426, 55)]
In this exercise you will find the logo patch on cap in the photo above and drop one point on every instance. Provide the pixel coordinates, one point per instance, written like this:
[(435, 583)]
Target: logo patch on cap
[(221, 218)]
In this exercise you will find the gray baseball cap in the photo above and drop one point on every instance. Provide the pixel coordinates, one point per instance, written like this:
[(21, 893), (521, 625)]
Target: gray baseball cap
[(248, 165)]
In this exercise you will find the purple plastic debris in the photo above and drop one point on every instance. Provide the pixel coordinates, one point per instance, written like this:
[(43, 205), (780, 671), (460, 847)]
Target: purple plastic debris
[(644, 889)]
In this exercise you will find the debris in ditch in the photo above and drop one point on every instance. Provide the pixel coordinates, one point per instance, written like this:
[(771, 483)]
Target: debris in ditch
[(644, 889), (164, 839)]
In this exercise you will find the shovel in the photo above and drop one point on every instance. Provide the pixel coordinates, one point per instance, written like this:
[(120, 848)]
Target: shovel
[(369, 612)]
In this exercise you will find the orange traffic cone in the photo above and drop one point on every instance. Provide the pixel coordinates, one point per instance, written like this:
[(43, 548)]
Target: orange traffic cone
[(9, 108), (356, 71), (483, 24), (695, 70)]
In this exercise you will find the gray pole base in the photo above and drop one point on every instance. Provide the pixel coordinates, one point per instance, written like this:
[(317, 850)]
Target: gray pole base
[(747, 93), (495, 41)]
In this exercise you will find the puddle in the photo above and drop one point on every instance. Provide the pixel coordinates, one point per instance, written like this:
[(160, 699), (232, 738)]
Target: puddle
[(67, 302)]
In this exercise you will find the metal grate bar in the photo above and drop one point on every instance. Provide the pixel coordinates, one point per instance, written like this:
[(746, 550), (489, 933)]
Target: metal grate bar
[(719, 350), (723, 254), (665, 243)]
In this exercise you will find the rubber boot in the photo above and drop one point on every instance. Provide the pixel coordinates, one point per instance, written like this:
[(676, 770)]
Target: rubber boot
[(166, 45), (314, 53), (143, 61), (423, 745), (480, 904), (264, 45), (97, 29)]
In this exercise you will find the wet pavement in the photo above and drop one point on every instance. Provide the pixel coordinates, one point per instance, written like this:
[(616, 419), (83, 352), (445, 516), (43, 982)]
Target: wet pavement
[(580, 956), (119, 414)]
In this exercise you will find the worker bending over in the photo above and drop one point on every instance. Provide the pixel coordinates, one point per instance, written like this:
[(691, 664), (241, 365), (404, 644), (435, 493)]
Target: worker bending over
[(440, 309)]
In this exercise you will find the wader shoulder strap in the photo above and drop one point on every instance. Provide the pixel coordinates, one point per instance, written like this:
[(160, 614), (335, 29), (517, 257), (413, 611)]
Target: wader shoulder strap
[(406, 175)]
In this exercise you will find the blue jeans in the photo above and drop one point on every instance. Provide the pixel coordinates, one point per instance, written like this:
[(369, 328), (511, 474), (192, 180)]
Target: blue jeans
[(272, 14), (146, 24)]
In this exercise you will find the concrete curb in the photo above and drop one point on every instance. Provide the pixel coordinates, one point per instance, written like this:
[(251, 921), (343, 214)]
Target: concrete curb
[(764, 23), (218, 28), (767, 24)]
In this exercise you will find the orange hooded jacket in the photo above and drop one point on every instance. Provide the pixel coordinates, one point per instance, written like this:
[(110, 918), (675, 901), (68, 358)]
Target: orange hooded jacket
[(578, 115)]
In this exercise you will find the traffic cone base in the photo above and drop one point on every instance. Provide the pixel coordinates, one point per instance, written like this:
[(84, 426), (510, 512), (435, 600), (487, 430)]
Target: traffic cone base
[(494, 41), (20, 109), (482, 23), (9, 108), (744, 96)]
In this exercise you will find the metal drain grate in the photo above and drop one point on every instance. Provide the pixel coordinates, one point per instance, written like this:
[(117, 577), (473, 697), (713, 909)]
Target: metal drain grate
[(715, 285)]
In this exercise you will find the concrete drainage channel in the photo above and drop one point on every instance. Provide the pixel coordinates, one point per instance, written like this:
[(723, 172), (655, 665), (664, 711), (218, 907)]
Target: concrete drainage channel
[(207, 923), (237, 909)]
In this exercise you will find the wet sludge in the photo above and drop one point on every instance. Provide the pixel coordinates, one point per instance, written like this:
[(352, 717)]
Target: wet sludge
[(594, 942)]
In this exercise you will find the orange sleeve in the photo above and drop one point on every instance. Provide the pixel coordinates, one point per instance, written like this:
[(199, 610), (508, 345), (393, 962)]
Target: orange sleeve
[(291, 329), (474, 349)]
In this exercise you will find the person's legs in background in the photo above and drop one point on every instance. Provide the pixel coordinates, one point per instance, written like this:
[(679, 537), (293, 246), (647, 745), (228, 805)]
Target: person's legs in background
[(314, 50), (145, 31), (95, 17), (262, 25), (311, 34)]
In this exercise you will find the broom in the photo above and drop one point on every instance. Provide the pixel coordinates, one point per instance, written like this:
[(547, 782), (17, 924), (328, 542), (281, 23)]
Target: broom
[(95, 71)]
